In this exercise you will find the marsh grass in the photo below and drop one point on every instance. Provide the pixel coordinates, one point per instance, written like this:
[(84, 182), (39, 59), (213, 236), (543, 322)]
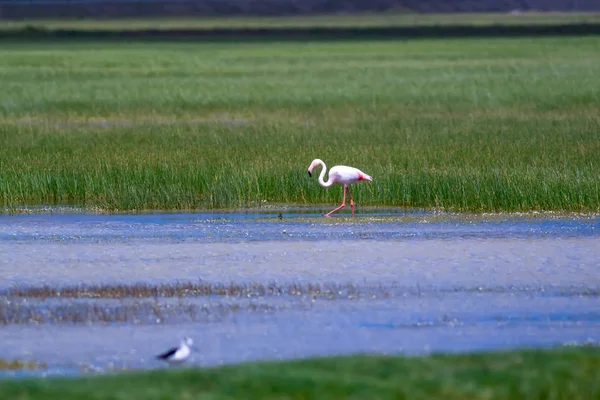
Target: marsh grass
[(187, 289), (461, 125), (559, 373), (312, 290), (157, 304), (144, 304), (21, 364)]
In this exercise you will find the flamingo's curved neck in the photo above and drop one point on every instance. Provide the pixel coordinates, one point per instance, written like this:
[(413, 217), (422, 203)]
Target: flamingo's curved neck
[(322, 175)]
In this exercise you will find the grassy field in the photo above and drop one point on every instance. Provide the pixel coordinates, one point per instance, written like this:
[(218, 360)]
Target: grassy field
[(340, 20), (531, 374), (468, 125)]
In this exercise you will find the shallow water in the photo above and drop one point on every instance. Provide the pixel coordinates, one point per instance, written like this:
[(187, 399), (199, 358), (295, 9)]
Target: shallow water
[(420, 282)]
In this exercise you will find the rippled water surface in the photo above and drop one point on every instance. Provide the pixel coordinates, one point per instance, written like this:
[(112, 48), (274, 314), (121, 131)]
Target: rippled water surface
[(263, 286)]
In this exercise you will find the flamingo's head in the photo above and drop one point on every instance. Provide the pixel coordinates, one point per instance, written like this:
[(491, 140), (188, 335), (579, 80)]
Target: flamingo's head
[(313, 165)]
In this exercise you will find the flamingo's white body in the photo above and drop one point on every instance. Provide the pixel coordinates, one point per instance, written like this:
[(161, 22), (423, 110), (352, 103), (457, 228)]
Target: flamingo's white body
[(341, 175)]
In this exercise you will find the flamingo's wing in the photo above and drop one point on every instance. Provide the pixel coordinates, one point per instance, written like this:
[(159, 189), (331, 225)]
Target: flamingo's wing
[(344, 174)]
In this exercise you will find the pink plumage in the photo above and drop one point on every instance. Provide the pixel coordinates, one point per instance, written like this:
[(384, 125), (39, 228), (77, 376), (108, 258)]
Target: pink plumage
[(341, 175)]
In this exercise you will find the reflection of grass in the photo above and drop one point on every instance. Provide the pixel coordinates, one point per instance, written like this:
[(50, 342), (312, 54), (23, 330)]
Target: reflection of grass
[(468, 125), (254, 290), (340, 20), (136, 312), (188, 289), (20, 364), (562, 373)]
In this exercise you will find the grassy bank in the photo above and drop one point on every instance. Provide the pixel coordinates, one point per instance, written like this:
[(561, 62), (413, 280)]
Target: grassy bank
[(363, 20), (477, 125), (531, 374)]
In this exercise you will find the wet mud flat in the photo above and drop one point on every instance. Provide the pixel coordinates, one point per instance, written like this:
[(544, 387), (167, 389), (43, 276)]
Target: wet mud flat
[(86, 293)]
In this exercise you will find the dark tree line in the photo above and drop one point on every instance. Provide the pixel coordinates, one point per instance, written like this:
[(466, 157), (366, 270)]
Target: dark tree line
[(20, 9)]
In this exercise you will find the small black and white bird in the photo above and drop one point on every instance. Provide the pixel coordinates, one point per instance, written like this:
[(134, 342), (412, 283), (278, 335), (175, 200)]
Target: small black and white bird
[(177, 355)]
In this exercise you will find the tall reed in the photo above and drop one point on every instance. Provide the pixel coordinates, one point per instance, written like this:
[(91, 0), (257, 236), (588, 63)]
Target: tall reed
[(505, 124)]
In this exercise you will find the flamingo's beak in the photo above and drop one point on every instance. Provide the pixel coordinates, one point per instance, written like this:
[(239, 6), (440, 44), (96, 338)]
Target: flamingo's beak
[(310, 168)]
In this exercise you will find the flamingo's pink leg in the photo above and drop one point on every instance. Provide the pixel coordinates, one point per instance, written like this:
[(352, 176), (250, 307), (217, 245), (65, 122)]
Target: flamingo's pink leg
[(340, 207), (351, 201)]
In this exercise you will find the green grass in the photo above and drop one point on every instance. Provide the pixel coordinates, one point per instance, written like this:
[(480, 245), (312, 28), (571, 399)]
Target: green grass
[(564, 373), (467, 125), (336, 20)]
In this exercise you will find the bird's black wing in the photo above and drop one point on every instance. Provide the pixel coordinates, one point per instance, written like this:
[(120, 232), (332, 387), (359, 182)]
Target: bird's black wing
[(167, 353)]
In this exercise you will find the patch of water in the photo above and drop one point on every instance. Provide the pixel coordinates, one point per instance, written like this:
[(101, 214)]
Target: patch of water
[(450, 284), (244, 227)]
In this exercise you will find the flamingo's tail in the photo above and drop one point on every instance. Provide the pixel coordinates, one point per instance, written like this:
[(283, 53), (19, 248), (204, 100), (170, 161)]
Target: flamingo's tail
[(365, 177)]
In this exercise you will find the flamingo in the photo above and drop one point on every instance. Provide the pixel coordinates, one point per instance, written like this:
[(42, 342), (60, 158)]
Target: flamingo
[(341, 175)]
